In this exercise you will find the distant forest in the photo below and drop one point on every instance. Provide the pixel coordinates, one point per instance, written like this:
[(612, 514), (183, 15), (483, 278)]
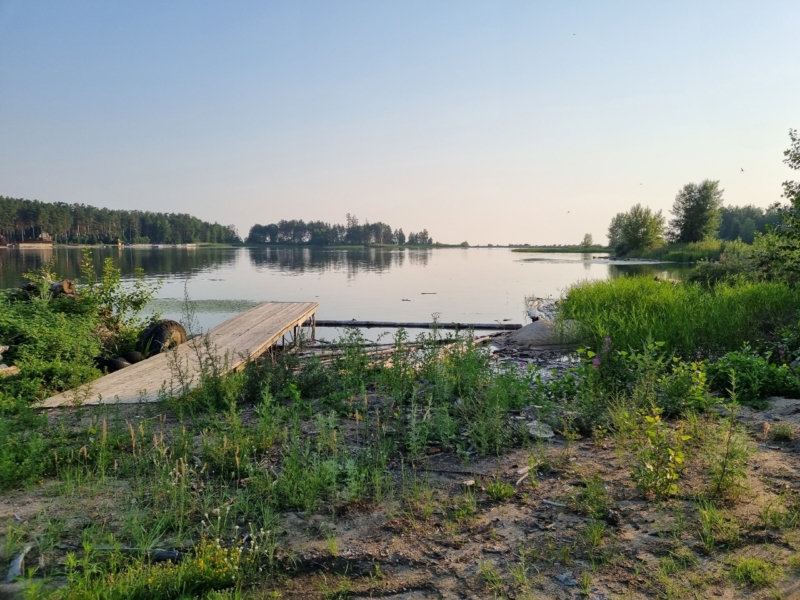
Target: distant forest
[(744, 221), (22, 220), (319, 233)]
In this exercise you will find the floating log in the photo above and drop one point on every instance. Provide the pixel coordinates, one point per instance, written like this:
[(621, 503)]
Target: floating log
[(57, 288), (442, 325)]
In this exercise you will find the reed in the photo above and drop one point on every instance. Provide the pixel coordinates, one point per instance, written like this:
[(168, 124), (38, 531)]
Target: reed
[(690, 319)]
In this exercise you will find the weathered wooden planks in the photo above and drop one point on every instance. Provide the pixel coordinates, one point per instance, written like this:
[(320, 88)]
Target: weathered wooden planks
[(235, 341)]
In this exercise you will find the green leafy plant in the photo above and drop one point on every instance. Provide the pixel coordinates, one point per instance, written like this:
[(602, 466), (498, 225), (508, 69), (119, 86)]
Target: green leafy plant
[(756, 377), (659, 456), (729, 454)]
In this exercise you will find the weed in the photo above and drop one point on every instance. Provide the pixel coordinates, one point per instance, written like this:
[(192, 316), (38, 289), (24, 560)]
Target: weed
[(490, 576), (594, 533), (586, 583), (728, 456), (755, 572), (783, 513), (782, 432), (499, 491), (794, 562), (716, 527), (678, 560), (592, 499), (333, 545), (659, 456)]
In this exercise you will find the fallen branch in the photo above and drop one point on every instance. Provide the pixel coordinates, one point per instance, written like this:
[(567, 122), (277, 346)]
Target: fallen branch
[(435, 325), (155, 554)]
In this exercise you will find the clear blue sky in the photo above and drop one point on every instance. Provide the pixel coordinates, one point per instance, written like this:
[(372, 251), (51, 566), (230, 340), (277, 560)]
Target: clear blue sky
[(484, 121)]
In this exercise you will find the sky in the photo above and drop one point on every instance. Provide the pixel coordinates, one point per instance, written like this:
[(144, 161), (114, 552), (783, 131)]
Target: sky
[(490, 122)]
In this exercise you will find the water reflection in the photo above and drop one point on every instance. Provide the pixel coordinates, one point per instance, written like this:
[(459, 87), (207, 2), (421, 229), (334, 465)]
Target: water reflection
[(164, 262), (297, 261)]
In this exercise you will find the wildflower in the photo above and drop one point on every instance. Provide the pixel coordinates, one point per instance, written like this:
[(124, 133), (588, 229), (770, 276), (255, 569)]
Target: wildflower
[(607, 344), (596, 362), (781, 352)]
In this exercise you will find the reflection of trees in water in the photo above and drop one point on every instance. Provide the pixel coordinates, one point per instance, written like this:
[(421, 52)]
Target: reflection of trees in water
[(664, 269), (160, 262), (319, 260)]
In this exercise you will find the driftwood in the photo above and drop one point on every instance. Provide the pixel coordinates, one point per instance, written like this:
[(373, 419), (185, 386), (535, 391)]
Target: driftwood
[(329, 356), (396, 325), (56, 288), (154, 554), (15, 570)]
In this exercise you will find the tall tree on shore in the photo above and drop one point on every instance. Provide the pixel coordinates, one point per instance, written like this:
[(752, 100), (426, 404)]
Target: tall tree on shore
[(696, 212), (588, 241), (638, 229), (779, 254)]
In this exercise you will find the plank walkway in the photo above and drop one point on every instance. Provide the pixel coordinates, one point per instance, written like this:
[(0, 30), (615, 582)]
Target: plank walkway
[(235, 341)]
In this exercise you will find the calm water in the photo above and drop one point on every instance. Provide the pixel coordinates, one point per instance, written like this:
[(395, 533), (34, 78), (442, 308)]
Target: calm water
[(476, 285)]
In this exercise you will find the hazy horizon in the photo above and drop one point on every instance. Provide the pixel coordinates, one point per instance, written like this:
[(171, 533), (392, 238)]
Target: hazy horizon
[(486, 122)]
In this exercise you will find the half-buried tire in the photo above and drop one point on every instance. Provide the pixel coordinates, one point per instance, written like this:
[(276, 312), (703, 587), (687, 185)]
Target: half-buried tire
[(111, 364), (133, 356), (160, 336)]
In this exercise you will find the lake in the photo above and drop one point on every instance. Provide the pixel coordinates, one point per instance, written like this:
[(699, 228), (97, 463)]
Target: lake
[(470, 285)]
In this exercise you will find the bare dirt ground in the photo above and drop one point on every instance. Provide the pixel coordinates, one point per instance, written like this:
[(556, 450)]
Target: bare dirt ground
[(435, 556), (441, 535)]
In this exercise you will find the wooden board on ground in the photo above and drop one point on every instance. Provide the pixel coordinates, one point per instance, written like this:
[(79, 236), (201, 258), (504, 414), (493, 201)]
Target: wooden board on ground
[(233, 342)]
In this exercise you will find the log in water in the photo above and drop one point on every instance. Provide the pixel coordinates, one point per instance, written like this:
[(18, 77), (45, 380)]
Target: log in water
[(442, 325)]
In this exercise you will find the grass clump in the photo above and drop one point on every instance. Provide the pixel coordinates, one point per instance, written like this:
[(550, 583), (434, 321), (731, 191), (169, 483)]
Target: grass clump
[(782, 432), (755, 572), (211, 567), (499, 491)]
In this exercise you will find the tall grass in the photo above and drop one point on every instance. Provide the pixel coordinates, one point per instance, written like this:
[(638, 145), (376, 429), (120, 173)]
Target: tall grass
[(690, 319), (710, 250)]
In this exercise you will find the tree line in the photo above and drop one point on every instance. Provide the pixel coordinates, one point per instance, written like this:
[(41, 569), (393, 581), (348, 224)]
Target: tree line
[(319, 233), (697, 215), (22, 220)]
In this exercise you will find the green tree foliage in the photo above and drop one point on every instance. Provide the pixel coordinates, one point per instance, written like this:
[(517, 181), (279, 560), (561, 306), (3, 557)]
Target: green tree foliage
[(587, 241), (615, 230), (22, 220), (319, 233), (743, 222), (638, 229), (778, 254), (696, 212)]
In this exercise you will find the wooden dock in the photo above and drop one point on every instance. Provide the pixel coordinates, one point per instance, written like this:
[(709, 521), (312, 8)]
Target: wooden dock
[(235, 341)]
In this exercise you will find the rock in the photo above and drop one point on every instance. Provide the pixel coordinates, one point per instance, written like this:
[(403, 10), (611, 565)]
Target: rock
[(6, 371), (566, 578), (541, 335), (539, 430), (613, 518)]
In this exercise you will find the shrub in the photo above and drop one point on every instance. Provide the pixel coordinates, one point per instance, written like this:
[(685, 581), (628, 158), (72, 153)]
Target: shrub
[(756, 377)]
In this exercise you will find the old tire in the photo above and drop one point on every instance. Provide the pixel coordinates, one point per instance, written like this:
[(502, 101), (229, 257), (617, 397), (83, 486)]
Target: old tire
[(112, 364), (133, 356), (161, 335)]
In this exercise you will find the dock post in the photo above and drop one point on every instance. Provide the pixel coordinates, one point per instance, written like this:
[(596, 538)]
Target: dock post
[(314, 327)]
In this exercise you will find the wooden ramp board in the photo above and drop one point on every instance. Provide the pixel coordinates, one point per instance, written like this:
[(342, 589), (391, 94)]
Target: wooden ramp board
[(235, 341)]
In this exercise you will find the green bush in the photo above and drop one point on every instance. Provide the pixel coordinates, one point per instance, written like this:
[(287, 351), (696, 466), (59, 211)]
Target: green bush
[(756, 377)]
